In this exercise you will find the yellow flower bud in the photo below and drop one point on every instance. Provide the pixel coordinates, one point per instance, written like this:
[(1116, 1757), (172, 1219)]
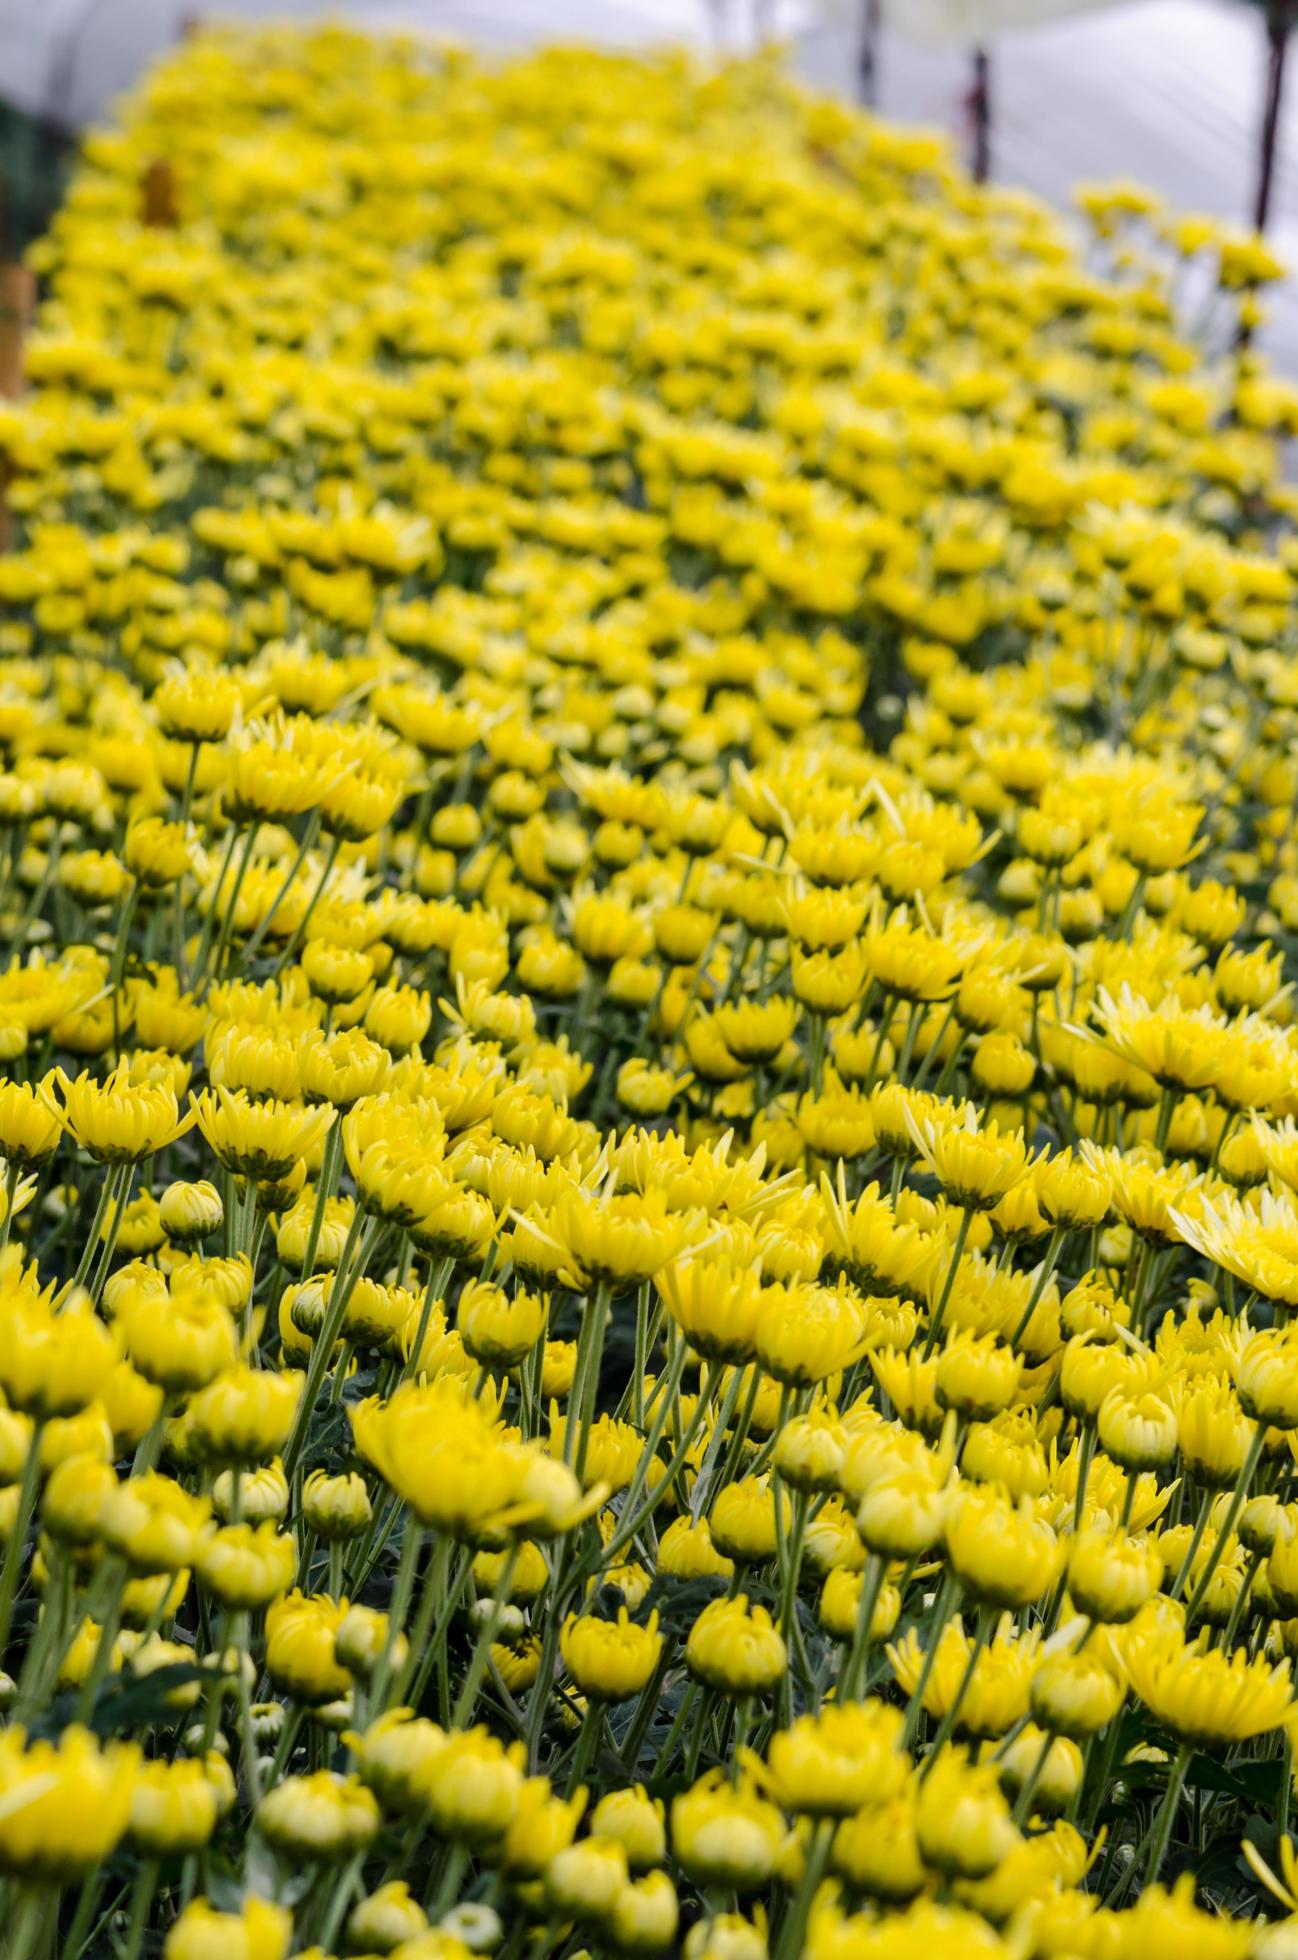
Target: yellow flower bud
[(610, 1660), (830, 1764), (395, 1754), (1057, 1772), (724, 1835), (645, 1915), (840, 1605), (877, 1851), (962, 1822), (1074, 1695), (473, 1786), (1002, 1555), (244, 1415), (319, 1817), (300, 1647), (174, 1807), (499, 1331), (1111, 1576), (336, 1507), (902, 1515), (1137, 1431), (73, 1501), (543, 1825), (258, 1495), (245, 1566), (386, 1918), (636, 1821), (191, 1212), (179, 1341), (1266, 1377), (735, 1648)]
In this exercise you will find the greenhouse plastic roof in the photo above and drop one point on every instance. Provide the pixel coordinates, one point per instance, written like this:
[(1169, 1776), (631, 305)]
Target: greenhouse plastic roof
[(65, 61)]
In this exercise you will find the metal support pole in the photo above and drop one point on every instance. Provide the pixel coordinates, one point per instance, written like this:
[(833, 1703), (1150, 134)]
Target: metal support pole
[(868, 62), (1279, 22), (980, 114)]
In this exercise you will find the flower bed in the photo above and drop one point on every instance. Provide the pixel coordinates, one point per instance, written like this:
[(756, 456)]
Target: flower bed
[(650, 1100)]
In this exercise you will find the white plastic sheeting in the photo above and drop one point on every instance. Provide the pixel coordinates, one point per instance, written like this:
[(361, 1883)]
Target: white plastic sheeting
[(969, 22), (67, 59)]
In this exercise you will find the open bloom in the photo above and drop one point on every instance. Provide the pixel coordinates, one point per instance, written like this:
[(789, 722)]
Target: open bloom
[(1257, 1243), (63, 1806), (1203, 1695), (975, 1165), (263, 1140), (118, 1121)]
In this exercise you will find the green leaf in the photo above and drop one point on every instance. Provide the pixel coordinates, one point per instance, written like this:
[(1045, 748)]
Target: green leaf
[(1256, 1779), (128, 1704)]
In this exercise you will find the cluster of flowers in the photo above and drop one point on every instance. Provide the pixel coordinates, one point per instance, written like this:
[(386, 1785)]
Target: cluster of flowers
[(650, 1083)]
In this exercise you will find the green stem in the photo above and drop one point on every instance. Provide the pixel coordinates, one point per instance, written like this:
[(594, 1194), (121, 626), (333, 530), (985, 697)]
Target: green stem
[(1042, 1281), (42, 891), (871, 1587), (252, 1774), (1233, 1510), (293, 1721), (178, 907), (935, 1324), (598, 1314), (30, 1922), (146, 1881), (227, 922), (793, 1932), (665, 1398), (439, 1275), (1023, 1804), (339, 1900), (118, 966), (482, 1646), (418, 1662), (947, 1592), (324, 1191), (451, 1881), (743, 1718), (48, 1637), (108, 1631), (107, 1194), (592, 1723), (792, 1556), (739, 1435), (946, 1726), (704, 1481), (205, 936), (674, 1733), (1085, 1451), (401, 1592), (340, 1293), (646, 1707), (631, 1525), (12, 1173), (113, 1232), (331, 858), (18, 1537), (87, 1899), (543, 1687), (308, 839), (1160, 1831)]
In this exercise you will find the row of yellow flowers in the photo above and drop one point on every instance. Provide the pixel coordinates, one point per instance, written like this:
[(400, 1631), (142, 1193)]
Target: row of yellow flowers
[(648, 1075)]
